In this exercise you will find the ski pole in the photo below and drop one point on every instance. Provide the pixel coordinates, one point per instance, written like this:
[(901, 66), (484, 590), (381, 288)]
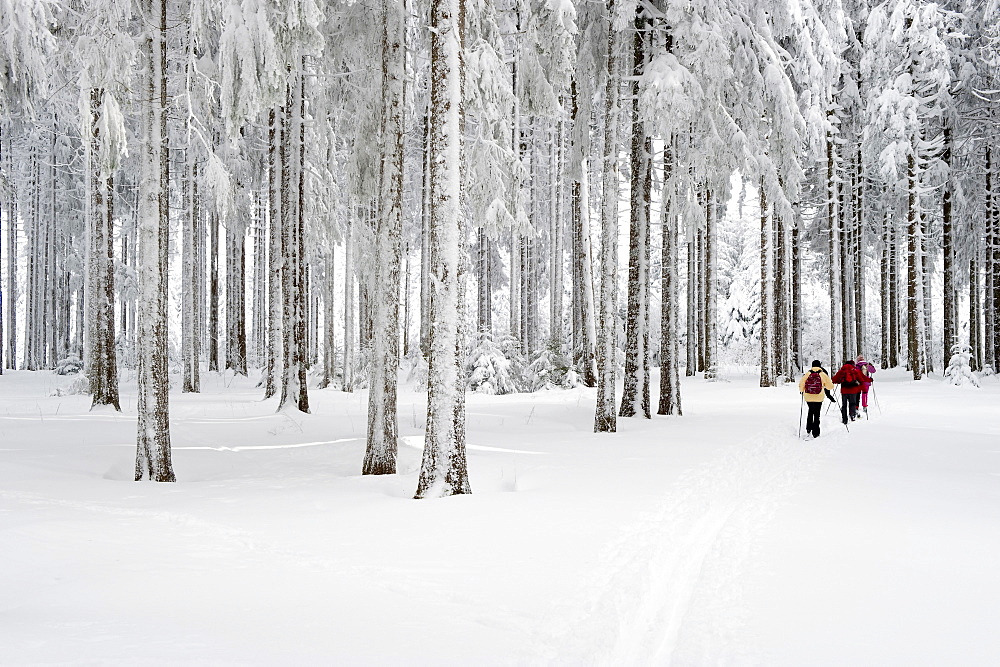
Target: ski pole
[(801, 403), (875, 398)]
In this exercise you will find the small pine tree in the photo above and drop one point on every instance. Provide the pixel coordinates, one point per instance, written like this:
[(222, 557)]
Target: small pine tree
[(551, 369), (489, 370), (959, 371)]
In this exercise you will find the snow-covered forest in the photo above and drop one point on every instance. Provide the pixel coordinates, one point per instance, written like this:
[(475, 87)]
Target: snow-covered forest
[(335, 256), (494, 197)]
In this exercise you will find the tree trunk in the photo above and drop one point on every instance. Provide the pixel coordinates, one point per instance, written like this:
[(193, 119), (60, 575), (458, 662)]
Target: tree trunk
[(885, 275), (259, 328), (605, 418), (275, 255), (766, 313), (584, 331), (350, 324), (991, 295), (517, 145), (556, 272), (845, 236), (859, 256), (670, 381), (701, 278), (691, 338), (443, 470), (950, 329), (975, 316), (153, 454), (12, 288), (380, 454), (484, 301), (913, 281), (236, 330), (711, 288), (329, 341), (101, 360), (782, 328), (299, 254), (190, 340), (425, 242), (926, 324), (795, 288), (213, 291), (833, 217), (635, 393)]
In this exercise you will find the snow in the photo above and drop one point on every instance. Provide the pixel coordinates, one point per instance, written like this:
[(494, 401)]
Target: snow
[(718, 537)]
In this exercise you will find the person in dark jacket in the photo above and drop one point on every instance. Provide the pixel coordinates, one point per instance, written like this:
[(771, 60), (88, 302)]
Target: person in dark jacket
[(850, 380), (815, 400)]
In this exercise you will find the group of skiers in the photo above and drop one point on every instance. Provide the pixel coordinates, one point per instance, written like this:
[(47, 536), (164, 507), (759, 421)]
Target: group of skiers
[(855, 379)]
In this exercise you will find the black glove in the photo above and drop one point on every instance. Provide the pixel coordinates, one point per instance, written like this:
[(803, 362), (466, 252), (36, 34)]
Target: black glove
[(829, 395)]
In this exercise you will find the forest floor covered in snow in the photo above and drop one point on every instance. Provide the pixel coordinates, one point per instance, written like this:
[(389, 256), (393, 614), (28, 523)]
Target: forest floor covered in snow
[(716, 538)]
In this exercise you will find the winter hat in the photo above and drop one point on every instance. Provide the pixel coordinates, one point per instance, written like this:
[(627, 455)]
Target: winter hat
[(816, 363), (849, 362), (860, 358)]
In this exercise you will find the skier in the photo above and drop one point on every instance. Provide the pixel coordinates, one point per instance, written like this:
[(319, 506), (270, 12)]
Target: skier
[(850, 380), (868, 370), (812, 387)]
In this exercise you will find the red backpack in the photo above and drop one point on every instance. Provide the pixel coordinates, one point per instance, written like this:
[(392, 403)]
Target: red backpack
[(853, 377), (814, 383)]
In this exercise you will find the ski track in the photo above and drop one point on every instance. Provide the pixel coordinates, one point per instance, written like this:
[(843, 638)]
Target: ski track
[(673, 578)]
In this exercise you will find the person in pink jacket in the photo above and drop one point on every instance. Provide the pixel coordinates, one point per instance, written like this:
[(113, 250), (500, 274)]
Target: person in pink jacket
[(868, 370)]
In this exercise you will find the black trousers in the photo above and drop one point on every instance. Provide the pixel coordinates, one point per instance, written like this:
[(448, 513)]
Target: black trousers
[(812, 419), (849, 406)]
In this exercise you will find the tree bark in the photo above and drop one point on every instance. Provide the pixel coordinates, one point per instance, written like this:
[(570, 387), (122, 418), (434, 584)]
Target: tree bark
[(782, 328), (101, 359), (894, 311), (443, 470), (975, 316), (766, 313), (380, 454), (711, 288), (350, 319), (12, 285), (795, 288), (913, 281), (989, 272), (190, 340), (425, 242), (153, 452), (275, 256), (236, 330), (213, 291), (860, 258), (635, 393), (605, 417), (584, 326), (670, 381), (833, 217), (329, 340)]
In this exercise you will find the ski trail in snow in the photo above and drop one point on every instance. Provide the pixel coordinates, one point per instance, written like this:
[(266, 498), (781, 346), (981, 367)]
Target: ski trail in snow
[(668, 590)]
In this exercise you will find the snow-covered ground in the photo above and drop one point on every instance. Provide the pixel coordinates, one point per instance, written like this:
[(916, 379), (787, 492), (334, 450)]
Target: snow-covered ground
[(716, 538)]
